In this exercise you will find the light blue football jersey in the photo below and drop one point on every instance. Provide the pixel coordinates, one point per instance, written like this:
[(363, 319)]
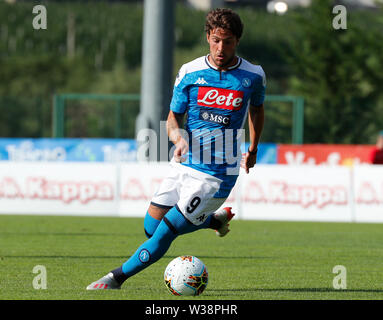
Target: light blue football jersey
[(216, 103)]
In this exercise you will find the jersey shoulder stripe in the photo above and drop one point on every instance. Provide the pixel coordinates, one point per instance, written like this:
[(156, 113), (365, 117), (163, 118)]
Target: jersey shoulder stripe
[(192, 66)]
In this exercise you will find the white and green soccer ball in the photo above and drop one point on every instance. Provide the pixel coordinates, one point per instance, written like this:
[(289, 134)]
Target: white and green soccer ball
[(186, 276)]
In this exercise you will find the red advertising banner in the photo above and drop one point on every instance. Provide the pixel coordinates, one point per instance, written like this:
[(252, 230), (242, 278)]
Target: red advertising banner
[(328, 154)]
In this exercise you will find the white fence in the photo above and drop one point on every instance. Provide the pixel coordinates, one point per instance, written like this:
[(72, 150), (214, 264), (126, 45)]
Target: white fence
[(269, 192)]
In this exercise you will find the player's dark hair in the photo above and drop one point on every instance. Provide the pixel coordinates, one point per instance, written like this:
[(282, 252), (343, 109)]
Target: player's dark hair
[(226, 19)]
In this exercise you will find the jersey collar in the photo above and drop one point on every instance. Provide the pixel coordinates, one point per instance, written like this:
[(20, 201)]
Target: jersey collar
[(228, 69)]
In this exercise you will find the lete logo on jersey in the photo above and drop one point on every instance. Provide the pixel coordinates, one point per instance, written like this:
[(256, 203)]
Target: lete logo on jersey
[(220, 98)]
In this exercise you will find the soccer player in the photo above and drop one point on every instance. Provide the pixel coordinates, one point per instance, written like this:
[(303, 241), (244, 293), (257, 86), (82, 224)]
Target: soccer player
[(215, 93)]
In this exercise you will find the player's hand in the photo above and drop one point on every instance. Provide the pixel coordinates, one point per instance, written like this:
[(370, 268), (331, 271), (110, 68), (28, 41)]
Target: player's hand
[(181, 149), (248, 161)]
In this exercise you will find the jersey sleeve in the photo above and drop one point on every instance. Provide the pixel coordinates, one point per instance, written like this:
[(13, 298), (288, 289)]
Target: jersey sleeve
[(258, 95), (180, 97)]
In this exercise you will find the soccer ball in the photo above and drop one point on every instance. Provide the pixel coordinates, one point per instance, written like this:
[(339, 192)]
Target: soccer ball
[(186, 276)]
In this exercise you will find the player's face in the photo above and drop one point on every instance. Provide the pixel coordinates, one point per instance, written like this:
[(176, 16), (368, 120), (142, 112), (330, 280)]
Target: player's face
[(222, 47)]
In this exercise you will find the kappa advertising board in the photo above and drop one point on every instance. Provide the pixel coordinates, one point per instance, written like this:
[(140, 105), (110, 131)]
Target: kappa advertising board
[(310, 193), (368, 193), (323, 154), (58, 188), (138, 184), (269, 192)]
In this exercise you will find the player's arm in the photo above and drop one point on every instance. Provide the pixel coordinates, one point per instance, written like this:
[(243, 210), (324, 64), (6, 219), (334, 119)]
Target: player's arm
[(173, 126), (256, 118)]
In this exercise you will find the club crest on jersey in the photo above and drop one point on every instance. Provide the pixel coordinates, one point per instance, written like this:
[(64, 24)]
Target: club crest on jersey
[(220, 98), (246, 82), (214, 117)]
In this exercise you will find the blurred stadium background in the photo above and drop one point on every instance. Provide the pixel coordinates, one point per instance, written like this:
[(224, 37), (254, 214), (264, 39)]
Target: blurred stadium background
[(71, 95)]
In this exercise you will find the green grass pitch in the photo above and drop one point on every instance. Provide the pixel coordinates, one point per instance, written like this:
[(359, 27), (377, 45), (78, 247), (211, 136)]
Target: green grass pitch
[(256, 260)]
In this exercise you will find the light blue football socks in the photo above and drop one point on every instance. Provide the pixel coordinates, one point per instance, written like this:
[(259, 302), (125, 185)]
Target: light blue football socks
[(170, 227), (150, 225)]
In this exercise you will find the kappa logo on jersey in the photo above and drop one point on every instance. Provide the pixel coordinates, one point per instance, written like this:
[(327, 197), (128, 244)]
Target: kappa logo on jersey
[(220, 98), (214, 117), (200, 81)]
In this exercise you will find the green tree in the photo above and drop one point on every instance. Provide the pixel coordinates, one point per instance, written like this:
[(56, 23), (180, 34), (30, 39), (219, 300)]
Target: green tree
[(339, 74)]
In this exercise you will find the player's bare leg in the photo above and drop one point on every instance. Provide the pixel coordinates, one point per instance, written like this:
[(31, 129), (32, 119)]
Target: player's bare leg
[(157, 212)]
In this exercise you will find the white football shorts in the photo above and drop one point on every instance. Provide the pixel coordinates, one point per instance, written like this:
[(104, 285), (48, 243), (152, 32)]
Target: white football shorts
[(191, 190)]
